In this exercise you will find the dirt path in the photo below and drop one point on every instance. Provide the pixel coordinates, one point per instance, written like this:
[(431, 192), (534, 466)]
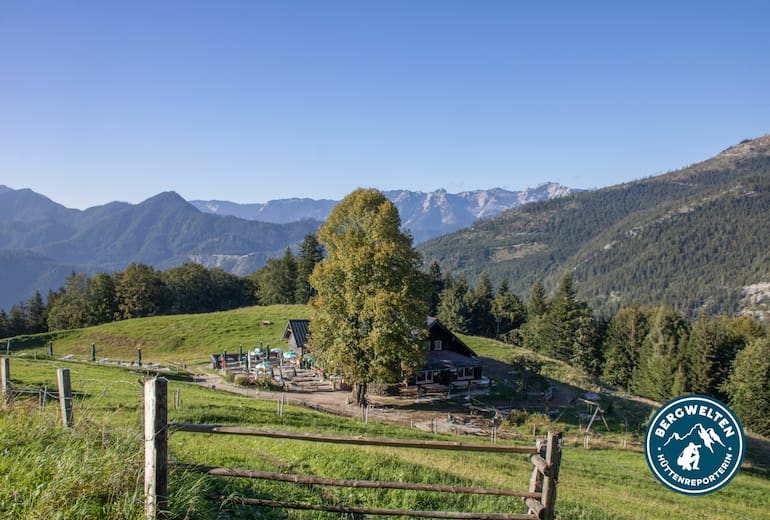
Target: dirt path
[(435, 414)]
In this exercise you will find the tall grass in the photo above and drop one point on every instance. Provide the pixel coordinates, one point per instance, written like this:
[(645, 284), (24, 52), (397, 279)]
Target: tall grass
[(47, 472), (94, 470)]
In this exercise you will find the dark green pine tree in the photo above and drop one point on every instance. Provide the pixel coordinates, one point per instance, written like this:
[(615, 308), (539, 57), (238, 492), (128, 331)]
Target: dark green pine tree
[(479, 302), (311, 252), (508, 311), (17, 319), (661, 355), (4, 333), (37, 314), (748, 387), (435, 286), (102, 306), (277, 281), (537, 305), (586, 346), (453, 309), (625, 334), (532, 335), (562, 319), (711, 348)]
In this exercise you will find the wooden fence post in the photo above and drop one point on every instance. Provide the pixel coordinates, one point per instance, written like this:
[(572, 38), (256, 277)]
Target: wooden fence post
[(65, 396), (553, 460), (44, 396), (5, 379), (155, 448)]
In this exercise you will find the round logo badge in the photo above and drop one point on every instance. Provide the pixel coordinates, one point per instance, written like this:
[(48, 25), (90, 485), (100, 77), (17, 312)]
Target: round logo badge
[(694, 445)]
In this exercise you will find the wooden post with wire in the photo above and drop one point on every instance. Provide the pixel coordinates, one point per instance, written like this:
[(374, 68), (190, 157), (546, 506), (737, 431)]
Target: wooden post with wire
[(155, 448), (5, 379), (65, 396)]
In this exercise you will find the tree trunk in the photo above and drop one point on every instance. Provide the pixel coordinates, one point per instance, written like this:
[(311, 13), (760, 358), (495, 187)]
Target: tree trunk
[(359, 394)]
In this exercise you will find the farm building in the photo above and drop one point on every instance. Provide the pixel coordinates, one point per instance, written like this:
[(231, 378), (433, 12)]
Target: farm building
[(297, 332), (449, 363)]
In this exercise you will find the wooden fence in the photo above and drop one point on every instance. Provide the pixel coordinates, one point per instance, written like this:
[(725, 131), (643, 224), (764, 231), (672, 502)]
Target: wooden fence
[(540, 499), (9, 392)]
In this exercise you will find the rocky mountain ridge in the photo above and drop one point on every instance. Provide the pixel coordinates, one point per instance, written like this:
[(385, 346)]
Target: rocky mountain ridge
[(425, 214)]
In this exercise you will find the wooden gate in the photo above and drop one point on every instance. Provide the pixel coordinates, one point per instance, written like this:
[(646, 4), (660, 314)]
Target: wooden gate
[(540, 499)]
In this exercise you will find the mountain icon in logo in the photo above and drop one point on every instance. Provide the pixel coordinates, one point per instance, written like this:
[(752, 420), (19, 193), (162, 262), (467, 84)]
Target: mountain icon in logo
[(707, 435)]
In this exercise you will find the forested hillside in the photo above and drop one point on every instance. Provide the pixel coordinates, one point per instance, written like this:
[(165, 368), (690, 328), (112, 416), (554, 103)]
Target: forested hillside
[(692, 239)]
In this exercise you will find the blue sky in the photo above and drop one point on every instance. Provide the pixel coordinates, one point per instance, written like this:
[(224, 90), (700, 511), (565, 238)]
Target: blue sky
[(260, 100)]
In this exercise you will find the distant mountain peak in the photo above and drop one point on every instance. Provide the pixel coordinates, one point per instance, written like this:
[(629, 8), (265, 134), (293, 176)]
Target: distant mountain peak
[(165, 196), (424, 214), (748, 148)]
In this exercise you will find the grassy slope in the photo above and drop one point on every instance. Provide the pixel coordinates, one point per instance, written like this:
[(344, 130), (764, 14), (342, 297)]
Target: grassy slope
[(94, 470), (103, 455), (190, 338)]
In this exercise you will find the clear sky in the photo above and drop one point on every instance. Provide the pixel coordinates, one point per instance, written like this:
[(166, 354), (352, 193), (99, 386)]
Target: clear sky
[(250, 101)]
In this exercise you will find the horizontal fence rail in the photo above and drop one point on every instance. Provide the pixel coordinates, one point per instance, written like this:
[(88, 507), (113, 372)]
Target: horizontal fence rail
[(371, 484), (545, 457), (342, 439), (375, 511)]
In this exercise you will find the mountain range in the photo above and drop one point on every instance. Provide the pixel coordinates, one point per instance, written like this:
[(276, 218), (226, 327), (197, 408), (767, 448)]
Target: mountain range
[(42, 242), (697, 239), (424, 214)]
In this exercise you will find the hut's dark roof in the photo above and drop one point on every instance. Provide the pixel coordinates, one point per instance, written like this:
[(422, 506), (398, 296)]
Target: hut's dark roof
[(299, 330), (449, 360)]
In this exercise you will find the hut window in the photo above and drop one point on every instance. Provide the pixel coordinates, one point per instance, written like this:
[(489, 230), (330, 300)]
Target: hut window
[(465, 373), (424, 377)]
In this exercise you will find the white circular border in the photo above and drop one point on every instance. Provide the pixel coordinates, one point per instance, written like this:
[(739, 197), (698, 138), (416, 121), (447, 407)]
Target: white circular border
[(728, 413)]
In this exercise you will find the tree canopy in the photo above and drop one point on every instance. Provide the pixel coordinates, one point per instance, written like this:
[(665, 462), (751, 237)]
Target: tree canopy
[(372, 297)]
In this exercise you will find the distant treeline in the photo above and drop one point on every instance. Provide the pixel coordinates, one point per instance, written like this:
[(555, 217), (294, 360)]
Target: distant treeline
[(653, 352)]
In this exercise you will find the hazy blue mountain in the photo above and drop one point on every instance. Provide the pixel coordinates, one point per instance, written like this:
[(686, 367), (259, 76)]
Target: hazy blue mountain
[(425, 215), (282, 211), (22, 272), (42, 241)]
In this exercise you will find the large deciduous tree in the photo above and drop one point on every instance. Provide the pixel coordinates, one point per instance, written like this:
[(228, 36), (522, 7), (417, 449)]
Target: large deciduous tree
[(68, 309), (372, 299), (139, 292)]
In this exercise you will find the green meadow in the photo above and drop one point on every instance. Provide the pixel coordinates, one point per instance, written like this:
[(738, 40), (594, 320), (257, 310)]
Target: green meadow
[(188, 338), (94, 470)]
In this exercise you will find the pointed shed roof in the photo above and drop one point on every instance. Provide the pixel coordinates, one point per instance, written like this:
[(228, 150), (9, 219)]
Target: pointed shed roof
[(459, 345), (299, 330)]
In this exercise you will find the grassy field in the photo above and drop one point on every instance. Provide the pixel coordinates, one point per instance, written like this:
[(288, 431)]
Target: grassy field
[(188, 338), (94, 470)]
